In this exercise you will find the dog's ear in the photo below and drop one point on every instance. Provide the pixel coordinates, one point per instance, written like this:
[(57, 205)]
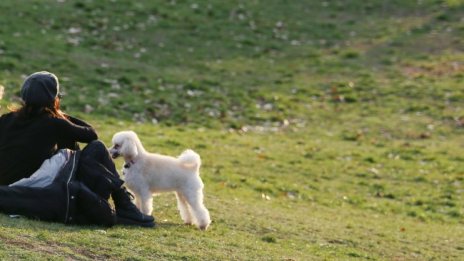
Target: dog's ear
[(129, 149)]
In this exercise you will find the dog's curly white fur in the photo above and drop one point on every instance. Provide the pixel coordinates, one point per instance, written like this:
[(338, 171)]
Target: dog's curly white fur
[(149, 173)]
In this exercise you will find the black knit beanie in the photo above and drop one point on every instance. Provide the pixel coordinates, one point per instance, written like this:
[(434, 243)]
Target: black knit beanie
[(40, 88)]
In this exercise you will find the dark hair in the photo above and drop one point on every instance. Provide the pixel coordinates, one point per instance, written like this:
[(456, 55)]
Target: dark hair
[(31, 111)]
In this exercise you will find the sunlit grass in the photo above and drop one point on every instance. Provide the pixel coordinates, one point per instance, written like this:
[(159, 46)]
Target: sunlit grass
[(327, 130)]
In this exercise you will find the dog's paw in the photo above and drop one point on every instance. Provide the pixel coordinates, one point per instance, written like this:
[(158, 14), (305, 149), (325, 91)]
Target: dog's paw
[(203, 227)]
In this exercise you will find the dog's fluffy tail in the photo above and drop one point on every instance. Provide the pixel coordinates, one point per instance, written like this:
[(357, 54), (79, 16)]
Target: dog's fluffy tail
[(190, 159)]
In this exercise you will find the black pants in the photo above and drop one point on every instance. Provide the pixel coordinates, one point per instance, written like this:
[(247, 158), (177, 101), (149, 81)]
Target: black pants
[(97, 170)]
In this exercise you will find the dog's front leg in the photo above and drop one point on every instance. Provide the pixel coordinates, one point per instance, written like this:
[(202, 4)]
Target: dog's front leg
[(138, 202), (147, 203)]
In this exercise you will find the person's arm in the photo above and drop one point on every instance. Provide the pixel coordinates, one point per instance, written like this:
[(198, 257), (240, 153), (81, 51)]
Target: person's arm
[(72, 132), (77, 121)]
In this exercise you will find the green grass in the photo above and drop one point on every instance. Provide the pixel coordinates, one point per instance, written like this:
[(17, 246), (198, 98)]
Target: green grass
[(328, 130)]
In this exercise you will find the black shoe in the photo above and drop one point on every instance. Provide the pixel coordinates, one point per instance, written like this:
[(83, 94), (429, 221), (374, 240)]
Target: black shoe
[(125, 209), (134, 214), (131, 222)]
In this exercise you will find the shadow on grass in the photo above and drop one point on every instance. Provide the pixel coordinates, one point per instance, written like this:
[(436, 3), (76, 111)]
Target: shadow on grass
[(19, 222)]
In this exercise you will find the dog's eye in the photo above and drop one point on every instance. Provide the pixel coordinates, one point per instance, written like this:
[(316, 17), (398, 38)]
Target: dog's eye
[(116, 146)]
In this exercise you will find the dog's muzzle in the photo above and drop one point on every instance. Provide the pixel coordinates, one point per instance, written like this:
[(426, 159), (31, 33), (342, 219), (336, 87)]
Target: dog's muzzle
[(115, 155)]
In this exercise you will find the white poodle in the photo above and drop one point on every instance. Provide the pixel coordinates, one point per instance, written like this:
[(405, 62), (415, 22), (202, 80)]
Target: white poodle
[(149, 173)]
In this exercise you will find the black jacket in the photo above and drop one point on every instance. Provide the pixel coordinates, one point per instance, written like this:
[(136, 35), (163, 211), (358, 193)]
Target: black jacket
[(26, 142)]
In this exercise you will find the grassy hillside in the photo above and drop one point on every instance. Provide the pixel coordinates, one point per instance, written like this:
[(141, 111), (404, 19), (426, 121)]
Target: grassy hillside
[(328, 129)]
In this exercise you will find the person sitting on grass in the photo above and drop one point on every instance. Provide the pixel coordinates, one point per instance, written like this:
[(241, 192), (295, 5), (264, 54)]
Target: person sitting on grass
[(44, 175)]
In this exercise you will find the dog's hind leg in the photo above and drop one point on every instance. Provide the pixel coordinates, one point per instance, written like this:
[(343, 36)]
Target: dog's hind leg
[(195, 200), (183, 208)]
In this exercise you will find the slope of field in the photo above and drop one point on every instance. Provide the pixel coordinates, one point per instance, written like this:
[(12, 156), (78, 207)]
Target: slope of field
[(328, 129)]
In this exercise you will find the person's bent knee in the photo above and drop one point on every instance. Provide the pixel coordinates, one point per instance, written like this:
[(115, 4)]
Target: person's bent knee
[(97, 144), (95, 149)]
